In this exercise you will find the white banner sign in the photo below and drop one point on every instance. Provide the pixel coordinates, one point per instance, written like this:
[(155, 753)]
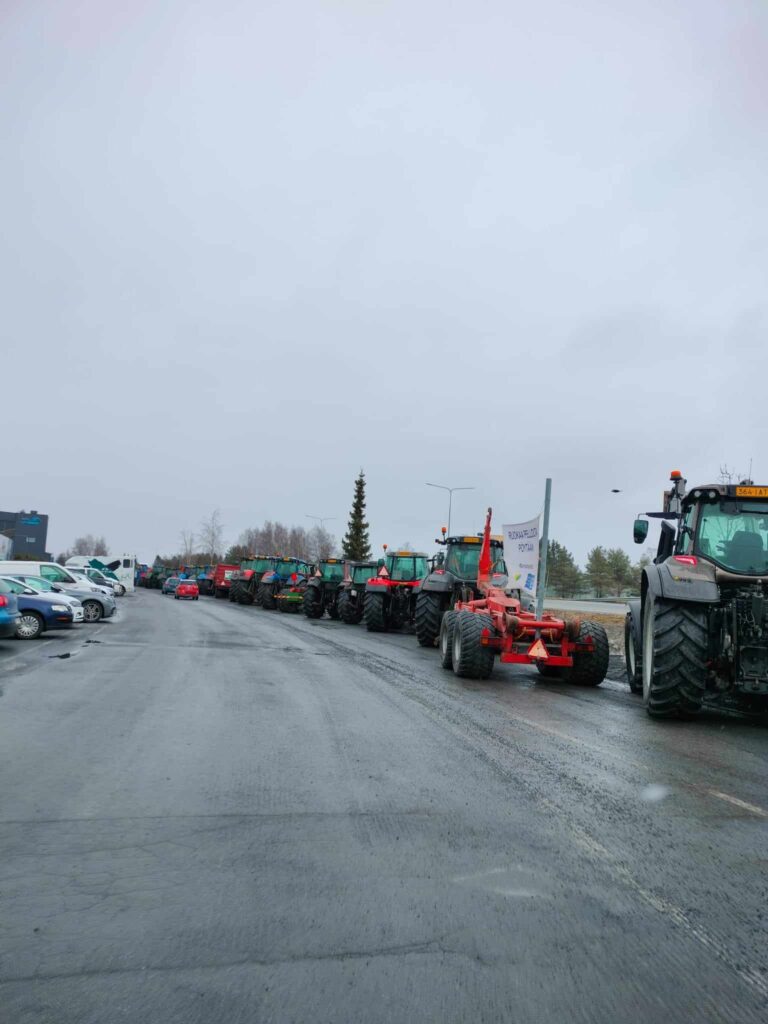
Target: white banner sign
[(521, 553)]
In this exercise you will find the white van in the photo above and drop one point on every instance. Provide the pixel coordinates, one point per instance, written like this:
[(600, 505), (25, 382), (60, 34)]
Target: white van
[(51, 571), (123, 566)]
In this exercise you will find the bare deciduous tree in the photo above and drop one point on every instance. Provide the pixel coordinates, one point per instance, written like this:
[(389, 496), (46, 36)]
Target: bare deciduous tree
[(321, 544), (89, 545), (212, 535), (188, 541)]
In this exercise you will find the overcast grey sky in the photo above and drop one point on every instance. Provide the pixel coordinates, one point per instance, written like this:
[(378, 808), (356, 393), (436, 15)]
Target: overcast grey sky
[(250, 247)]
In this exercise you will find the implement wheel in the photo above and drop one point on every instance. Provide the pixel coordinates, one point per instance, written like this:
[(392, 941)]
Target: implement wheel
[(427, 619), (632, 657), (470, 659), (373, 613), (674, 658), (313, 603), (590, 668), (445, 642)]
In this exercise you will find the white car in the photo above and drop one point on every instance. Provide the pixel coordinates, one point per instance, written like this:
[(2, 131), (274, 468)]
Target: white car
[(97, 579), (42, 586)]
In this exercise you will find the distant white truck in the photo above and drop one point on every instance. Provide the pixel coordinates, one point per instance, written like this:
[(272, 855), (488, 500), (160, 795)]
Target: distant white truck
[(119, 568)]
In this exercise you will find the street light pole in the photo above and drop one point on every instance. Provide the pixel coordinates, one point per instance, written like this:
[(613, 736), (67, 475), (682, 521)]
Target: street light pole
[(450, 490), (321, 519)]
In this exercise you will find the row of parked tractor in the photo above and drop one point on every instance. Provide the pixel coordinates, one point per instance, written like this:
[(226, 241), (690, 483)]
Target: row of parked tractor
[(458, 600), (697, 637)]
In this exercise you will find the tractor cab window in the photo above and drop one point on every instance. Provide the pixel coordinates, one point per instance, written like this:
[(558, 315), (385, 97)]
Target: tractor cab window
[(462, 560), (404, 569), (332, 571), (735, 535), (362, 573), (685, 536)]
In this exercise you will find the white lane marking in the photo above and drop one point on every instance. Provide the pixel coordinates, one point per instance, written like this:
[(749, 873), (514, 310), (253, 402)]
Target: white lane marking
[(750, 975), (752, 808)]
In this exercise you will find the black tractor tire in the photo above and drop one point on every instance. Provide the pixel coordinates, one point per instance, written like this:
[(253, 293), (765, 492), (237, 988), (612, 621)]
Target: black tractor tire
[(632, 658), (246, 597), (333, 608), (232, 595), (350, 611), (675, 641), (429, 612), (313, 603), (282, 606), (590, 667), (373, 613), (445, 640), (470, 659), (268, 597)]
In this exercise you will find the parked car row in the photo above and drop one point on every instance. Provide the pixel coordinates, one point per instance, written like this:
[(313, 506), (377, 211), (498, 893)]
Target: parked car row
[(40, 596)]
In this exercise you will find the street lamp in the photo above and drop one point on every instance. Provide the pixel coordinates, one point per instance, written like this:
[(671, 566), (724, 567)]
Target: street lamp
[(321, 519), (450, 490)]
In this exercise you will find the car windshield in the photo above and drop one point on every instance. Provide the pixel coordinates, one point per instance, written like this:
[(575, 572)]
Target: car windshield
[(735, 535), (406, 568), (15, 586), (332, 570), (37, 582)]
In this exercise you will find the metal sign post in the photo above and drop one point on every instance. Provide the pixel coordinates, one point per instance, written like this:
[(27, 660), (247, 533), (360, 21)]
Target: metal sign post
[(542, 580)]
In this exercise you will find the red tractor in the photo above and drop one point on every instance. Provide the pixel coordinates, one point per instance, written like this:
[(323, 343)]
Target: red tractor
[(475, 631), (390, 597)]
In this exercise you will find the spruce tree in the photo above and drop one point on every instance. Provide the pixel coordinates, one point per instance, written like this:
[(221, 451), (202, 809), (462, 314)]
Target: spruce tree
[(356, 545)]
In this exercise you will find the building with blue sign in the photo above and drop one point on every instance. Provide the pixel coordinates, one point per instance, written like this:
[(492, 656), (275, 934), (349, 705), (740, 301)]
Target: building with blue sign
[(27, 533)]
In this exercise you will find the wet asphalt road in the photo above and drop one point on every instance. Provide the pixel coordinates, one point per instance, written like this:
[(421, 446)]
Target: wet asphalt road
[(220, 814)]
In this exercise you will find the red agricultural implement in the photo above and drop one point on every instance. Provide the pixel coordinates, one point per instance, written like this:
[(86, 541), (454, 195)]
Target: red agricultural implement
[(474, 632)]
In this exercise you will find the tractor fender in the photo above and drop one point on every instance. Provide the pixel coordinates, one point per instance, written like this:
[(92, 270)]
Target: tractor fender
[(635, 615), (434, 584), (661, 581)]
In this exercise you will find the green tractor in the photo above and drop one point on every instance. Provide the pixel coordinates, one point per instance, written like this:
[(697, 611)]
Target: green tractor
[(290, 597), (244, 588), (284, 573), (453, 578), (351, 593), (322, 590)]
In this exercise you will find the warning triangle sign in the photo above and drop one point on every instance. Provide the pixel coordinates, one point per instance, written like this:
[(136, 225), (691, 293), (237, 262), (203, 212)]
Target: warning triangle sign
[(538, 650)]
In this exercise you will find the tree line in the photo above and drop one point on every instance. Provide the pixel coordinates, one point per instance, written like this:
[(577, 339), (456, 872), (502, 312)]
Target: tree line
[(206, 547), (85, 545), (608, 572)]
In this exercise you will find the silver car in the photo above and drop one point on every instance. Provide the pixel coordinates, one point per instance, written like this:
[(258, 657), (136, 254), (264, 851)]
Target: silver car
[(96, 605)]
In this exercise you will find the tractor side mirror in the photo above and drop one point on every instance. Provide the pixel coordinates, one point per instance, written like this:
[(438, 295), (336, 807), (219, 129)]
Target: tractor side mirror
[(640, 530)]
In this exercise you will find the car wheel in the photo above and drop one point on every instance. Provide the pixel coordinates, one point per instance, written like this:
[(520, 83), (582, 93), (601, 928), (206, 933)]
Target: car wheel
[(30, 626), (92, 611)]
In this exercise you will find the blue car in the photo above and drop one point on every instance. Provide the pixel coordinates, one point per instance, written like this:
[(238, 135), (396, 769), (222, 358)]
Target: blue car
[(9, 612), (37, 612)]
